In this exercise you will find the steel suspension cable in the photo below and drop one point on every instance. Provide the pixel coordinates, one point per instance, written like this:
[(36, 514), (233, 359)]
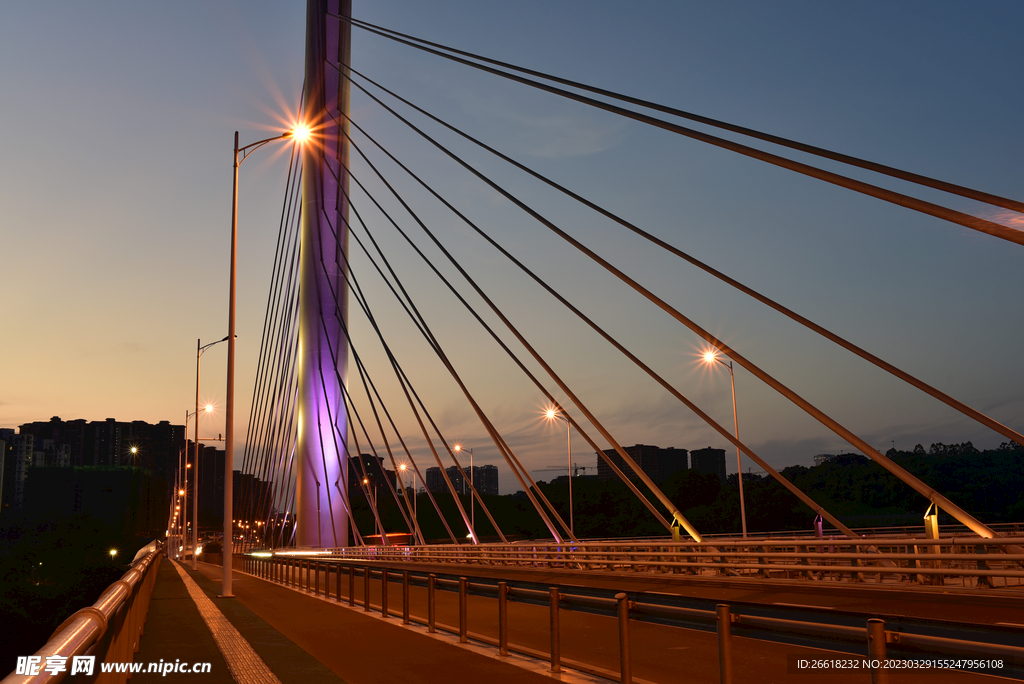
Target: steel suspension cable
[(814, 506), (911, 480), (918, 179), (511, 459), (900, 199), (952, 402), (504, 449), (405, 389), (676, 514), (364, 304), (268, 428)]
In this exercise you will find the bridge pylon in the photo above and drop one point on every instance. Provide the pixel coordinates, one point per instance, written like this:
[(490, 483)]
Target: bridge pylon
[(323, 295)]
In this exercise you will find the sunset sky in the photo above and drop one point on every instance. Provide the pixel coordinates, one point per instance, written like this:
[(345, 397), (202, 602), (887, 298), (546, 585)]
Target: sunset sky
[(115, 207)]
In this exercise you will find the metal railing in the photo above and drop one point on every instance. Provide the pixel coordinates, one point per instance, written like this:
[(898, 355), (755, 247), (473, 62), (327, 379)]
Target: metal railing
[(967, 562), (834, 630), (109, 629)]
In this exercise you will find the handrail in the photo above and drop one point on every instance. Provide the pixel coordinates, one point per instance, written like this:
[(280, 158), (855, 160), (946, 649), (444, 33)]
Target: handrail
[(971, 559), (88, 631), (835, 630)]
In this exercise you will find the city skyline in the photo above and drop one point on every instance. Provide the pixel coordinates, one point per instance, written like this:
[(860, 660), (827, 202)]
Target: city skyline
[(116, 218)]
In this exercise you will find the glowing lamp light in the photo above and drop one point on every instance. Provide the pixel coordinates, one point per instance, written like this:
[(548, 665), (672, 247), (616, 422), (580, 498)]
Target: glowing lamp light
[(113, 553), (300, 133), (710, 356)]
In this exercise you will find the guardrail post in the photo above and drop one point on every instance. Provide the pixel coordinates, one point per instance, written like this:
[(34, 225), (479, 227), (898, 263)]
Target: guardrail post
[(463, 600), (384, 593), (876, 651), (503, 618), (625, 664), (431, 581), (856, 576), (983, 580), (405, 597), (351, 585), (724, 643), (316, 579), (556, 644), (366, 589)]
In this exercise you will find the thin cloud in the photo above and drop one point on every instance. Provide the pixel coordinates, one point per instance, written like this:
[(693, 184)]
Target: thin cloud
[(1010, 219), (549, 134)]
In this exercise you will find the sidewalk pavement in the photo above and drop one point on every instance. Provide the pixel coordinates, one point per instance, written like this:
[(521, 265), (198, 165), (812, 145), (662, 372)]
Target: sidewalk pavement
[(303, 639)]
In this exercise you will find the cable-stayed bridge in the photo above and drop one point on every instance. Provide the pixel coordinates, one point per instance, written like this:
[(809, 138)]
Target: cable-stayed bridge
[(368, 268), (357, 195)]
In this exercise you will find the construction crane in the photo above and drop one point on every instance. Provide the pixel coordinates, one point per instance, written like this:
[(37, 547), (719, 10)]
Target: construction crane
[(576, 469)]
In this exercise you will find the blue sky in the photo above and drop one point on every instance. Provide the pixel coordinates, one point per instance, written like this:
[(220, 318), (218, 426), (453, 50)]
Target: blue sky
[(115, 188)]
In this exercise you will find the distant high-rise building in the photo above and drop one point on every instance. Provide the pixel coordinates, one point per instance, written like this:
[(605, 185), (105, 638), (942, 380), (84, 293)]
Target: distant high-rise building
[(659, 464), (6, 468), (708, 460), (485, 479)]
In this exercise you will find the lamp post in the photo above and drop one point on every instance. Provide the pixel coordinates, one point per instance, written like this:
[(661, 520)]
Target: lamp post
[(200, 348), (298, 133), (373, 502), (552, 414), (472, 486), (195, 489), (402, 468), (710, 357)]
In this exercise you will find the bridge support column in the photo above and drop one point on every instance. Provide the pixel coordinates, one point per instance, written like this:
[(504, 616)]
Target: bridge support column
[(323, 295)]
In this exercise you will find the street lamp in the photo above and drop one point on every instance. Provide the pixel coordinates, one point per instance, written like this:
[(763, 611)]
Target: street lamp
[(195, 489), (552, 413), (299, 133), (402, 468), (472, 485), (200, 348), (710, 357), (373, 502)]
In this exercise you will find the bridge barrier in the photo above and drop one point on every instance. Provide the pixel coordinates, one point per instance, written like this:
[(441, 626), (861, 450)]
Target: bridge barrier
[(109, 629), (969, 561), (829, 629)]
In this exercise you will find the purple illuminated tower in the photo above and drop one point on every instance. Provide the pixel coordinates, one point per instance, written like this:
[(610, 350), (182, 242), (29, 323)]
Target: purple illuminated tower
[(323, 294)]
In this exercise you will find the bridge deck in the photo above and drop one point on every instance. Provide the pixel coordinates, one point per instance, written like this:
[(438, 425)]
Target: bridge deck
[(362, 648), (348, 646), (175, 630)]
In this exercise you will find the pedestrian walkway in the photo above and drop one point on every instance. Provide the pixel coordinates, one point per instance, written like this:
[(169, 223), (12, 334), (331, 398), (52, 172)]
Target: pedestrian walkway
[(365, 649), (326, 642), (177, 632)]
